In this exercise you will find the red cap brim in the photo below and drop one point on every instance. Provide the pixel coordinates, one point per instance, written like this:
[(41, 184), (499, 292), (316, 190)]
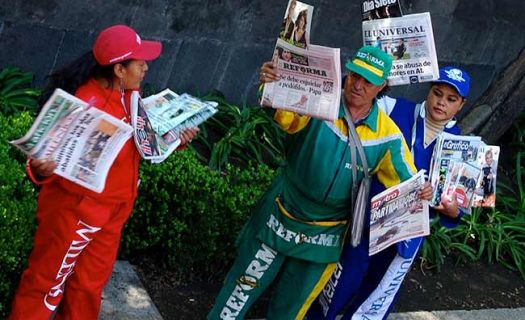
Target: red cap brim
[(149, 50)]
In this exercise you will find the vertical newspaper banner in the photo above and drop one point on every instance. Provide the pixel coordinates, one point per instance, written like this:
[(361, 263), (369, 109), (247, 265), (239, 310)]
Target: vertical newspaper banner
[(410, 41), (310, 75), (297, 23), (485, 194), (380, 9)]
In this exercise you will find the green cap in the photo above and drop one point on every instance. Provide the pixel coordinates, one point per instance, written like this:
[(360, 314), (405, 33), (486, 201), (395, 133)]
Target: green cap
[(371, 63)]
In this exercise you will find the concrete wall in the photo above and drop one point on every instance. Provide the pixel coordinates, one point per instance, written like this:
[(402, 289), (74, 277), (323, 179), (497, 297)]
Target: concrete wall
[(210, 44)]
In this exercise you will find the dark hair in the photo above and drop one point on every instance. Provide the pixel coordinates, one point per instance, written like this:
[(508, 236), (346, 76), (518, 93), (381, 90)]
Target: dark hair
[(73, 75), (302, 13)]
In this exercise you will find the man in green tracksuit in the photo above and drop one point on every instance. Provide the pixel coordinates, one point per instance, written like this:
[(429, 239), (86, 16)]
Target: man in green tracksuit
[(295, 234)]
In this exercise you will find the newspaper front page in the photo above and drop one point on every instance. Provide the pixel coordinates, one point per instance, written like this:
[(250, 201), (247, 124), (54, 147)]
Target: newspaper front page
[(398, 214), (451, 148), (310, 81), (310, 75), (159, 119), (82, 140), (410, 41)]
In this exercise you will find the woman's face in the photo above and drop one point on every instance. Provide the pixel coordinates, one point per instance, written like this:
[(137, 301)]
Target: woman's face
[(287, 55), (302, 21), (443, 102), (133, 74)]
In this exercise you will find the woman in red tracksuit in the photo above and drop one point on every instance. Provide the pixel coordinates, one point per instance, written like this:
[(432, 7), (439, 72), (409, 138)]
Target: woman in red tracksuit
[(78, 234)]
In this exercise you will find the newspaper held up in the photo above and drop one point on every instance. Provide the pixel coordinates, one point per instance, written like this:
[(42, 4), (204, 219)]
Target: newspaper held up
[(485, 193), (159, 119), (398, 214), (380, 9), (82, 140), (310, 81), (450, 149), (297, 23), (410, 41)]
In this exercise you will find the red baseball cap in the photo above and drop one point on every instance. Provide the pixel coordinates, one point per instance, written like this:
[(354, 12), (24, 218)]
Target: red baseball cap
[(119, 43)]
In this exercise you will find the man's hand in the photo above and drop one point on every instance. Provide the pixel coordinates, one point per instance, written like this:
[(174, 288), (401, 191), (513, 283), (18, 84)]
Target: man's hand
[(268, 73)]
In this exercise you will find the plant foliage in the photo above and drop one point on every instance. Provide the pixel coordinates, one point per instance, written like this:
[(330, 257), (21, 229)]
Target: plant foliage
[(188, 215), (495, 234), (16, 91), (240, 136), (17, 208)]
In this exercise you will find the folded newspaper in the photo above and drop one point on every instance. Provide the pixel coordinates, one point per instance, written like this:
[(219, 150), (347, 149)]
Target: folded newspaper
[(159, 119), (466, 167), (310, 75), (398, 214), (82, 140)]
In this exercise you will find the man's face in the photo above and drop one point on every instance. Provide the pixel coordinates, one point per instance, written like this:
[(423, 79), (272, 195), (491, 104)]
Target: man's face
[(443, 102), (359, 91)]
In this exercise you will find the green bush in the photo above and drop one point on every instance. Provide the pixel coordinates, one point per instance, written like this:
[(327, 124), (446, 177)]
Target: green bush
[(16, 91), (188, 215), (17, 208)]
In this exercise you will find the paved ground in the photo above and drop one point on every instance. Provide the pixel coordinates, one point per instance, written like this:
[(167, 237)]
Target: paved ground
[(126, 299)]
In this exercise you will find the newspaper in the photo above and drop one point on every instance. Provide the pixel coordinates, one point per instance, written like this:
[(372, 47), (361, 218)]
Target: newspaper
[(485, 192), (159, 119), (461, 180), (380, 9), (450, 148), (297, 23), (310, 81), (310, 75), (398, 214), (410, 42), (82, 140)]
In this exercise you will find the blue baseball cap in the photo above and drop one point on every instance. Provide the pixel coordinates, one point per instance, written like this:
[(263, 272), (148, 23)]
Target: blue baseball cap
[(457, 78)]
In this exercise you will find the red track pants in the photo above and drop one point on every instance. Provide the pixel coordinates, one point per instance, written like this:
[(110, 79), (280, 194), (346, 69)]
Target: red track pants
[(75, 247)]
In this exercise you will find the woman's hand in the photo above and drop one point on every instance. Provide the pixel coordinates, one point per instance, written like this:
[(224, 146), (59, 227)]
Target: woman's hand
[(187, 135), (268, 72), (425, 193), (43, 168), (448, 206)]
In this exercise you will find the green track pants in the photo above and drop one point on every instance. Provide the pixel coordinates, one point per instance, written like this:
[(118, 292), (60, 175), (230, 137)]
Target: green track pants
[(298, 282)]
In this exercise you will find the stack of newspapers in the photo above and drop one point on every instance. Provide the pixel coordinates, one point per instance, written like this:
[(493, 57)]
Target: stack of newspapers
[(84, 141), (159, 119), (464, 167)]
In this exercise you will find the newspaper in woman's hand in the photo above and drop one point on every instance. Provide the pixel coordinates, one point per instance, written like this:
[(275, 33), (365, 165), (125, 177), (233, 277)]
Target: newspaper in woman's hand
[(82, 140)]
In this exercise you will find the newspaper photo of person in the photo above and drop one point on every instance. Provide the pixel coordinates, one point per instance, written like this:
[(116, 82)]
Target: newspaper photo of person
[(288, 25), (295, 28), (300, 35), (485, 193)]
